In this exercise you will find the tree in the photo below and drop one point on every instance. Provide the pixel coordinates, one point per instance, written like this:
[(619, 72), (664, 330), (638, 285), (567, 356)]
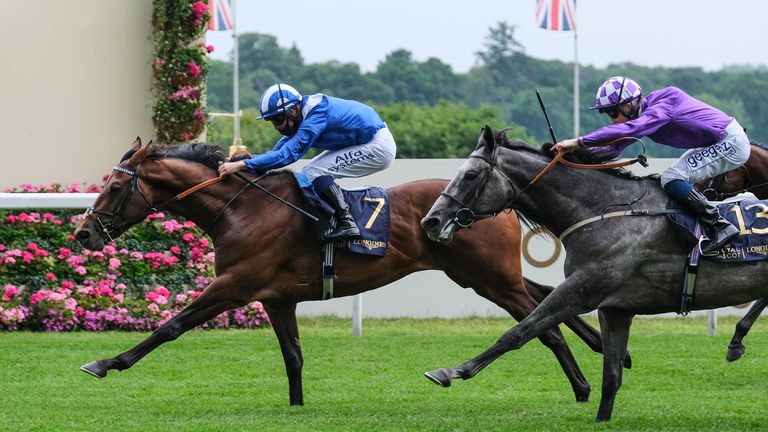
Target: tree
[(445, 130), (422, 83), (500, 44)]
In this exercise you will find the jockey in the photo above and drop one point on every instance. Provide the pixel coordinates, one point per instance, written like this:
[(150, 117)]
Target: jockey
[(715, 143), (354, 139)]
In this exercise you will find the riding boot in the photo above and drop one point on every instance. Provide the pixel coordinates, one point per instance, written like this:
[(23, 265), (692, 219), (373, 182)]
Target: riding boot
[(717, 229), (346, 228)]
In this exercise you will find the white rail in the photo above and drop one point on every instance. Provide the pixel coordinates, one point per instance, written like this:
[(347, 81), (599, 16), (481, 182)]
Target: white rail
[(46, 200)]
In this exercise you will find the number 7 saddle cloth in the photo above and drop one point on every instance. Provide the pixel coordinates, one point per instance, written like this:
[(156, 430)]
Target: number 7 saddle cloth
[(746, 213), (369, 207)]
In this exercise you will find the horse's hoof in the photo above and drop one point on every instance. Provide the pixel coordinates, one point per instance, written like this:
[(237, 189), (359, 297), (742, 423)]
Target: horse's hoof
[(735, 353), (628, 361), (583, 397), (441, 377), (93, 368)]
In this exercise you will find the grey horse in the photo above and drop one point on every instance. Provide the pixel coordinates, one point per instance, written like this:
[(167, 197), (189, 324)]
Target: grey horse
[(621, 266)]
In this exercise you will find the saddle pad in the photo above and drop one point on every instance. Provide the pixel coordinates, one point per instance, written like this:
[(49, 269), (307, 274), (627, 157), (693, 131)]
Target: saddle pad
[(368, 206), (749, 215)]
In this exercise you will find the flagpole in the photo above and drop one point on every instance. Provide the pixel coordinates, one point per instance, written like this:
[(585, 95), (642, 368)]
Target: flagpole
[(237, 142), (576, 111)]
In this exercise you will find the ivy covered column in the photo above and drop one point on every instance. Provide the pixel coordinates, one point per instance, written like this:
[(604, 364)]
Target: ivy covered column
[(180, 68)]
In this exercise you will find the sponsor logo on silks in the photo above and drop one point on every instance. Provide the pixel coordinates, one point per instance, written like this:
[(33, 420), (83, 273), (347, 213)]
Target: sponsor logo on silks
[(349, 158), (710, 155)]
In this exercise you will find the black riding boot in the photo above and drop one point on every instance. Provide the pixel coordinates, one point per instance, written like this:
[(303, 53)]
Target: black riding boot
[(717, 229), (346, 228)]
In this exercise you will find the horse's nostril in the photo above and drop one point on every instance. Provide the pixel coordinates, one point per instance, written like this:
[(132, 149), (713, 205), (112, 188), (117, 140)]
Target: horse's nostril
[(429, 222), (82, 235)]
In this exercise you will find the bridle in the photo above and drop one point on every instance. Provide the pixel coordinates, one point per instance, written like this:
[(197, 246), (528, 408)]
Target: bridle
[(107, 229), (465, 216)]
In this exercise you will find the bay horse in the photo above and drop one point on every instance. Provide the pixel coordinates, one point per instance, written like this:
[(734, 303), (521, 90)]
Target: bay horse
[(750, 177), (622, 263), (265, 250)]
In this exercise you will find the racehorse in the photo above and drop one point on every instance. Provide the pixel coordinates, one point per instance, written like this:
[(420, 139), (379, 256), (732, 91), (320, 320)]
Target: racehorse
[(622, 263), (265, 250), (750, 177)]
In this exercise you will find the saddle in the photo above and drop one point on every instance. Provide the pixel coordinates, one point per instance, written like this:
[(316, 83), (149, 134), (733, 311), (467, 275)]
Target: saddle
[(369, 207), (745, 212)]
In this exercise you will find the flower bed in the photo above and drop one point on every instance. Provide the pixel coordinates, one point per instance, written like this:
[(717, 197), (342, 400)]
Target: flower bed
[(49, 283)]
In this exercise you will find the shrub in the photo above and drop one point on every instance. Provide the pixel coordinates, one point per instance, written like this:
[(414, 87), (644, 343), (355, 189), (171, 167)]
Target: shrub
[(136, 283)]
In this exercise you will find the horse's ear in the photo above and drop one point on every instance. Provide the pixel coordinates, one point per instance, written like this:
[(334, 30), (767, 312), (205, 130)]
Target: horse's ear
[(136, 144), (142, 152), (487, 140)]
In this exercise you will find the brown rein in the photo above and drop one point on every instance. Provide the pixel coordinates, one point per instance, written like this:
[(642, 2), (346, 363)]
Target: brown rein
[(197, 187), (559, 158)]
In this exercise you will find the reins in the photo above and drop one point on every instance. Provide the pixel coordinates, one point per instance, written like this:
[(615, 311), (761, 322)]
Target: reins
[(465, 217), (641, 159), (106, 229)]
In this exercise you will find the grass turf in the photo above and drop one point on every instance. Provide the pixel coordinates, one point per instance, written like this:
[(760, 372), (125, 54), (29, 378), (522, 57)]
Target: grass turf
[(235, 380)]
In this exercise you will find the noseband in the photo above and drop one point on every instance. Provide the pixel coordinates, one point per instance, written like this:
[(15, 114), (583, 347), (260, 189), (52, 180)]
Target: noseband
[(107, 229), (465, 217)]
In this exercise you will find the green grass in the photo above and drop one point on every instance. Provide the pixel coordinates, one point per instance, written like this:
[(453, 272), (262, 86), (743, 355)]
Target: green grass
[(235, 381)]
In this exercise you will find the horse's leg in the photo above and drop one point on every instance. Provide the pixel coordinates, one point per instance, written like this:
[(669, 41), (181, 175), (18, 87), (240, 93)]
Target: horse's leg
[(520, 305), (283, 320), (211, 303), (736, 348), (554, 340), (581, 328), (614, 327), (559, 306)]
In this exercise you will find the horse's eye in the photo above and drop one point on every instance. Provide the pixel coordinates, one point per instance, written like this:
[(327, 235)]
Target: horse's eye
[(470, 175), (115, 187)]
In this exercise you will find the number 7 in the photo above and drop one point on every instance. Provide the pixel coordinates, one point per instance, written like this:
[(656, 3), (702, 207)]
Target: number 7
[(376, 212)]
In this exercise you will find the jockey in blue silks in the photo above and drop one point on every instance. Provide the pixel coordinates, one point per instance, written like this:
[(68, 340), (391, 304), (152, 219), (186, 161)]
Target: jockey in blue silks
[(715, 143), (356, 143)]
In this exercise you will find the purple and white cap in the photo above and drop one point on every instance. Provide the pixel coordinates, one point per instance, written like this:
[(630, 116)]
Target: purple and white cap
[(608, 94)]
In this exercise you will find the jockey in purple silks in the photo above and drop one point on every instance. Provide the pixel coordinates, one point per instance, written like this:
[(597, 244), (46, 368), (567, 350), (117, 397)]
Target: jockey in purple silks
[(715, 144), (356, 143)]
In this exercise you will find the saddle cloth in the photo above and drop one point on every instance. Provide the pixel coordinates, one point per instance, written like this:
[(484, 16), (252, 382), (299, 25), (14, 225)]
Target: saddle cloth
[(368, 206), (745, 212)]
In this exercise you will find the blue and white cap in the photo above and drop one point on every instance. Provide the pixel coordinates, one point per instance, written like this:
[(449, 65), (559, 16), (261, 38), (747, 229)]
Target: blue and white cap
[(276, 99), (608, 93)]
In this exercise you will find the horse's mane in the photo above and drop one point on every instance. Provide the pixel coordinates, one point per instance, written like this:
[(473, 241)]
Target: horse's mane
[(209, 155)]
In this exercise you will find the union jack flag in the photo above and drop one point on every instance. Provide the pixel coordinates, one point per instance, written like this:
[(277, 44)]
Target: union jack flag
[(221, 15), (556, 14)]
